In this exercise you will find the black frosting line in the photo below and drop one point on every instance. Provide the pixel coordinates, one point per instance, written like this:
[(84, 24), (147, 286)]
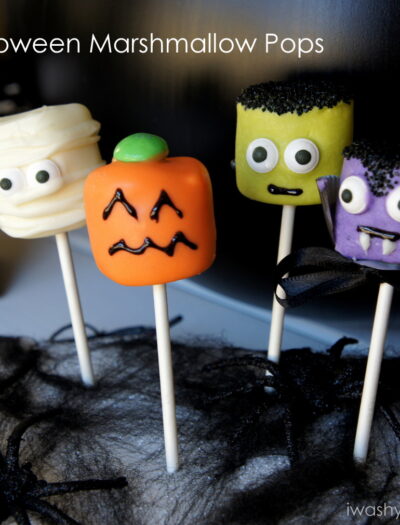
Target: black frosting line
[(164, 200), (169, 250), (119, 197), (278, 190), (376, 232)]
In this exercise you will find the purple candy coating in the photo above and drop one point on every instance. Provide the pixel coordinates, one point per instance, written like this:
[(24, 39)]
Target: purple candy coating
[(348, 238)]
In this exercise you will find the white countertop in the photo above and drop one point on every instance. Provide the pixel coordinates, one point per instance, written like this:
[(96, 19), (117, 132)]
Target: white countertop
[(33, 302)]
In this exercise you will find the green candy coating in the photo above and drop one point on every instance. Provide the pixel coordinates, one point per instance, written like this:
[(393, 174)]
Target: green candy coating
[(141, 147)]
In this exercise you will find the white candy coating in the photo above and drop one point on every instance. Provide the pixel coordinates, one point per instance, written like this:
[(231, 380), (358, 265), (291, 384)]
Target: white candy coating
[(46, 154)]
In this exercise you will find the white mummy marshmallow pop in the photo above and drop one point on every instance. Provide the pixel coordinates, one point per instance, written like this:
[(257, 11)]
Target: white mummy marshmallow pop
[(45, 155)]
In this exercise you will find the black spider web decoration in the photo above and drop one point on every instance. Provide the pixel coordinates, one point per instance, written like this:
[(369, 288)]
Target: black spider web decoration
[(236, 439), (300, 388), (21, 492)]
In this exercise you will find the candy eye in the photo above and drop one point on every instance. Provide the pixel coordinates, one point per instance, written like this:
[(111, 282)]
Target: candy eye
[(301, 155), (43, 173), (262, 155), (393, 204), (11, 181), (353, 195)]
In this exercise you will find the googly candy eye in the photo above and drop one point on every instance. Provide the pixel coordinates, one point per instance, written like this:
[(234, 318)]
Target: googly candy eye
[(353, 195), (262, 155), (393, 204), (11, 181), (44, 173), (301, 155)]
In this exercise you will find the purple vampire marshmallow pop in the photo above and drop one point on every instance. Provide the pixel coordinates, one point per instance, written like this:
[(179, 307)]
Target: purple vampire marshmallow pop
[(366, 227)]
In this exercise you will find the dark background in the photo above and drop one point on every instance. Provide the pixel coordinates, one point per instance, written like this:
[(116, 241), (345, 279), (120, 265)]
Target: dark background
[(190, 99)]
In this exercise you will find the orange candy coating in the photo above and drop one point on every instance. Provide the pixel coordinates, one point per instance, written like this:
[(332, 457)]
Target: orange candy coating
[(129, 192)]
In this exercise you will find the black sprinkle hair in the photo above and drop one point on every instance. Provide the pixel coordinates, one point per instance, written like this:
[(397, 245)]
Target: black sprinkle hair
[(294, 96), (382, 160)]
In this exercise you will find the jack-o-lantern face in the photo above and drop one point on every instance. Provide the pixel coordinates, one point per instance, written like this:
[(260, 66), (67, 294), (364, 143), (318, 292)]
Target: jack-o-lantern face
[(150, 221)]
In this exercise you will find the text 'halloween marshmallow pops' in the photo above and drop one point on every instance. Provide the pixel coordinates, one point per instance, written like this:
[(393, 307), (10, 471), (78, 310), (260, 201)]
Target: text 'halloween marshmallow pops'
[(45, 155), (366, 228), (288, 135), (151, 221)]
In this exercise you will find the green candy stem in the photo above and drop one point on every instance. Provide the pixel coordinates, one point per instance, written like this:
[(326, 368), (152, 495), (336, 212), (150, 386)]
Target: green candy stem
[(141, 147)]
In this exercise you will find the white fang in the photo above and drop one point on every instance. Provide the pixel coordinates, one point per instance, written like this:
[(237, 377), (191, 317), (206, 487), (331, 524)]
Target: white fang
[(388, 247), (365, 241)]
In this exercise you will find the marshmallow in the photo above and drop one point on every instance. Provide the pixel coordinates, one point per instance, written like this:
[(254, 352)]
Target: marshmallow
[(150, 217), (288, 135), (45, 155)]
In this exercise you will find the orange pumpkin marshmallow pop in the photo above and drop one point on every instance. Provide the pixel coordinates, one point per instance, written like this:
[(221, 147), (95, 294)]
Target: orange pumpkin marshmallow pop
[(151, 221)]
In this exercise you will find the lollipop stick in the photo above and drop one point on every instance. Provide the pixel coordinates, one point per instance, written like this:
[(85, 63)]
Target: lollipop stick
[(166, 376), (75, 310), (278, 311), (371, 380)]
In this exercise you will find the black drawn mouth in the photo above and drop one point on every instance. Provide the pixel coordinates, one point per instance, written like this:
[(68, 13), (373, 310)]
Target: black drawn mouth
[(169, 250), (376, 232), (277, 190)]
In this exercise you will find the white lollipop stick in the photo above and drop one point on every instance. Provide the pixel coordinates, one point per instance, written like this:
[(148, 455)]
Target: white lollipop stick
[(372, 373), (278, 311), (166, 377), (75, 310)]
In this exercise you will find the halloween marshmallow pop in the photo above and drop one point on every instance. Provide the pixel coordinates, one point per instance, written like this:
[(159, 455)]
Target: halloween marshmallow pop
[(45, 156), (366, 228), (289, 134), (150, 219)]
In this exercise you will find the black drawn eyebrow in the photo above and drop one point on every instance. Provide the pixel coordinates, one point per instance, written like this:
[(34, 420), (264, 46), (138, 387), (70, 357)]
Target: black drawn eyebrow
[(119, 197), (163, 200)]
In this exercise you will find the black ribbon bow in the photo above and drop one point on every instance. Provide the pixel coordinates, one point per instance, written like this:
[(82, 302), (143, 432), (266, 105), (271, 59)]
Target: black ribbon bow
[(315, 272)]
